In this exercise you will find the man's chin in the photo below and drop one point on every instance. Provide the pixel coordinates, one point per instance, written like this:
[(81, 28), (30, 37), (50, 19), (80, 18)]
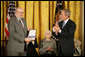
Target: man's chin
[(20, 17)]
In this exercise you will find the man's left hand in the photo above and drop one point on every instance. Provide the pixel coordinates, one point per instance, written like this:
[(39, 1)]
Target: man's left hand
[(58, 28), (28, 28)]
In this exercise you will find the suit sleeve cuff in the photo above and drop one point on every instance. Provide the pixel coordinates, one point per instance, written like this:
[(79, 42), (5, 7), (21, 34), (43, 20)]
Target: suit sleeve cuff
[(60, 31)]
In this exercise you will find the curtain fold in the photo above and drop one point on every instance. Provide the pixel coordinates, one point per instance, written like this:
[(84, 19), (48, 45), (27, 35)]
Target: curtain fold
[(36, 19), (77, 20), (22, 5), (4, 15), (66, 4), (44, 17), (29, 14), (52, 8), (2, 33)]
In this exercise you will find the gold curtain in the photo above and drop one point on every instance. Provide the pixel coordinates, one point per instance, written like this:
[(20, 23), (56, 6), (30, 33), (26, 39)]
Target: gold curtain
[(52, 9), (1, 22), (39, 15), (5, 15), (44, 17)]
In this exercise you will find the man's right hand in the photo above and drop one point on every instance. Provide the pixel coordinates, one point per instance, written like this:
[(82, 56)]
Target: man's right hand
[(28, 28), (27, 40), (54, 29)]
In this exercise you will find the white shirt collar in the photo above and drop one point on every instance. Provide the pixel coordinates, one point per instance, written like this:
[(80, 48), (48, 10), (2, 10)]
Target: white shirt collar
[(21, 21), (66, 21), (18, 18)]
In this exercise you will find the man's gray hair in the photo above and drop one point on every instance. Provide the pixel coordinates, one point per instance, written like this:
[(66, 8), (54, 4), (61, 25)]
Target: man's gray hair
[(18, 8), (67, 12)]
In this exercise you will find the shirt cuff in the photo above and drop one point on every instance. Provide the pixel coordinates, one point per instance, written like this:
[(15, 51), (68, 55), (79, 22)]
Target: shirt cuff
[(54, 30), (56, 34), (60, 31)]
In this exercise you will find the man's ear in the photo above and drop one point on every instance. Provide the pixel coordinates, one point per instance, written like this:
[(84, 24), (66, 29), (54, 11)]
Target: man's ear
[(66, 16)]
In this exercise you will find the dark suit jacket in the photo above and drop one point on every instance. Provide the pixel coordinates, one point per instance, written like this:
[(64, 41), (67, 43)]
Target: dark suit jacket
[(17, 35), (66, 38)]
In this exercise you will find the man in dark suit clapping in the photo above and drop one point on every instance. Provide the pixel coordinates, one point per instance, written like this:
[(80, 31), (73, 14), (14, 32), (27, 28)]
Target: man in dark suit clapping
[(65, 32)]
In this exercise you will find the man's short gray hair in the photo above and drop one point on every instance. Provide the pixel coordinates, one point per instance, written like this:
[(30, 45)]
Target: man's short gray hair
[(67, 12), (18, 8)]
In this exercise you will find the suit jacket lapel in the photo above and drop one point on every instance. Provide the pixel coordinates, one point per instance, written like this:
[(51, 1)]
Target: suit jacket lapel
[(19, 24), (23, 27), (61, 25), (65, 25)]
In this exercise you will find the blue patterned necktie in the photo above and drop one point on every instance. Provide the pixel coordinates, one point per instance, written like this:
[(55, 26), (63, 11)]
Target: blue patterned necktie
[(63, 24)]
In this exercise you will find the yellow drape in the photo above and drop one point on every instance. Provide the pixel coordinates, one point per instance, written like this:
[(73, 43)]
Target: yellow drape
[(77, 20), (4, 6), (29, 14), (51, 15), (44, 17), (66, 4), (36, 19), (22, 4), (52, 9), (72, 9), (5, 15), (1, 22)]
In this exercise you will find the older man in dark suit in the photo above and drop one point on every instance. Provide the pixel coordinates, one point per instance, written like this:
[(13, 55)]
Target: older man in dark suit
[(17, 34), (65, 32)]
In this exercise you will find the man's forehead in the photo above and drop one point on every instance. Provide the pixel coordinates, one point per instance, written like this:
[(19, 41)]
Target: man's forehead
[(62, 11), (20, 9)]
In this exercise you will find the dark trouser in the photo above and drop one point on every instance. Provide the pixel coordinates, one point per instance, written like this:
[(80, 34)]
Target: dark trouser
[(47, 55), (64, 53), (16, 54), (31, 52), (60, 51)]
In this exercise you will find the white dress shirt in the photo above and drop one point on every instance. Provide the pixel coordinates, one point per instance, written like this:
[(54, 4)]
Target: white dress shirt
[(21, 21), (65, 24)]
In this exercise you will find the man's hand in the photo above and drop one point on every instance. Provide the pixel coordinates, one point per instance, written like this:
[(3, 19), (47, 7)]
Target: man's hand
[(58, 29), (54, 28), (27, 40), (56, 32), (56, 24), (28, 28)]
